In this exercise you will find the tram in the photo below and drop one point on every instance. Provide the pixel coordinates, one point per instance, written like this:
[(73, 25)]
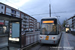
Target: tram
[(50, 31)]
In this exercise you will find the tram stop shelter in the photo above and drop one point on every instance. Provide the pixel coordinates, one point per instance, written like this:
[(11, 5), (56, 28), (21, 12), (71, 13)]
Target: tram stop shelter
[(14, 30)]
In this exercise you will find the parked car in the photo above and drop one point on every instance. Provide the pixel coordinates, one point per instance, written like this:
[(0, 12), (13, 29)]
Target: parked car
[(37, 29), (67, 31), (30, 30), (26, 30)]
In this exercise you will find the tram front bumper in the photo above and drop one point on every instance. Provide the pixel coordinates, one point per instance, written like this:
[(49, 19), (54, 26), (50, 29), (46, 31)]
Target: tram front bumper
[(48, 41)]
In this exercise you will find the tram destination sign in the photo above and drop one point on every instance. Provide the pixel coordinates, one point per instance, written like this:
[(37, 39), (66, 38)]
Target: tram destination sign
[(50, 21)]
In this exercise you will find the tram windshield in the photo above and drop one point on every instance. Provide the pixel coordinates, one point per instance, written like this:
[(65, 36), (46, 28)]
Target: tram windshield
[(48, 28)]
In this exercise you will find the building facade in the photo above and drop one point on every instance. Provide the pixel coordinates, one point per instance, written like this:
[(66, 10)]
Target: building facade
[(71, 22), (38, 25), (28, 22)]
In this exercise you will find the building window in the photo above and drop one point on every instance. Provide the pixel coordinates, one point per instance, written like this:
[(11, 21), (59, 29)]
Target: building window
[(2, 7), (22, 15), (13, 13), (18, 12), (8, 14), (2, 12)]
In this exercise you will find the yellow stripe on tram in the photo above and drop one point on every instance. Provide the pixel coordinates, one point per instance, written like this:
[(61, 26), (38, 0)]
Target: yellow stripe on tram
[(47, 38)]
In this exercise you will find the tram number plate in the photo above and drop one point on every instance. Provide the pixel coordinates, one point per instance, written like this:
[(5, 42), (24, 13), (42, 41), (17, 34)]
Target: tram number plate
[(47, 38)]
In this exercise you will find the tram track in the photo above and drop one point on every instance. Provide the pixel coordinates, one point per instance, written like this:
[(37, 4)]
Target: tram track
[(46, 47), (50, 48), (40, 47)]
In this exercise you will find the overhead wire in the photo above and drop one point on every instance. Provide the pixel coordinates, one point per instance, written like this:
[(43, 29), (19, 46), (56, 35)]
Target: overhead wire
[(54, 13)]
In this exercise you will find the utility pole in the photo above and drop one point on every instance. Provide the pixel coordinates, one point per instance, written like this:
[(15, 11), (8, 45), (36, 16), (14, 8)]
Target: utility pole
[(50, 9)]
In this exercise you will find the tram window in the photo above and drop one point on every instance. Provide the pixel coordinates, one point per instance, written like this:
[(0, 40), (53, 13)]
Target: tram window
[(43, 32), (48, 29), (2, 12)]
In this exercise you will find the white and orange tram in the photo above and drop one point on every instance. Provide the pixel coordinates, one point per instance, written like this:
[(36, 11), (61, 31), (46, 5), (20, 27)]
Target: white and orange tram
[(50, 31)]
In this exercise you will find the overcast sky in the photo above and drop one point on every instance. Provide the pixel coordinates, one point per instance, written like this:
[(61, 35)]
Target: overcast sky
[(33, 7)]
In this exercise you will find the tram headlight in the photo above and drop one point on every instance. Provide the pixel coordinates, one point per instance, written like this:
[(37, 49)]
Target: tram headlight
[(53, 37)]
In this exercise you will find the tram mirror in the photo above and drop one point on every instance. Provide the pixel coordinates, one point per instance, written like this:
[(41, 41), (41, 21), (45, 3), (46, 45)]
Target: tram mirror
[(15, 30)]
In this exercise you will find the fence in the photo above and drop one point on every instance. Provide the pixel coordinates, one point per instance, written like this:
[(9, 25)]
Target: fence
[(29, 38)]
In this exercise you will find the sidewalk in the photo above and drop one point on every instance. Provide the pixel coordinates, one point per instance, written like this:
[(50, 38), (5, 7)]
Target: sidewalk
[(10, 48), (2, 45), (3, 41), (71, 39), (66, 42)]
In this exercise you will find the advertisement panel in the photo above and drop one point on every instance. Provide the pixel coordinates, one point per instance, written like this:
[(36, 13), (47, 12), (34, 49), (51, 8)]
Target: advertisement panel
[(15, 30)]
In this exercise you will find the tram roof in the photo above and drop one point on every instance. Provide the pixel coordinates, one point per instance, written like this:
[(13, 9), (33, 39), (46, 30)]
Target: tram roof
[(49, 17)]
